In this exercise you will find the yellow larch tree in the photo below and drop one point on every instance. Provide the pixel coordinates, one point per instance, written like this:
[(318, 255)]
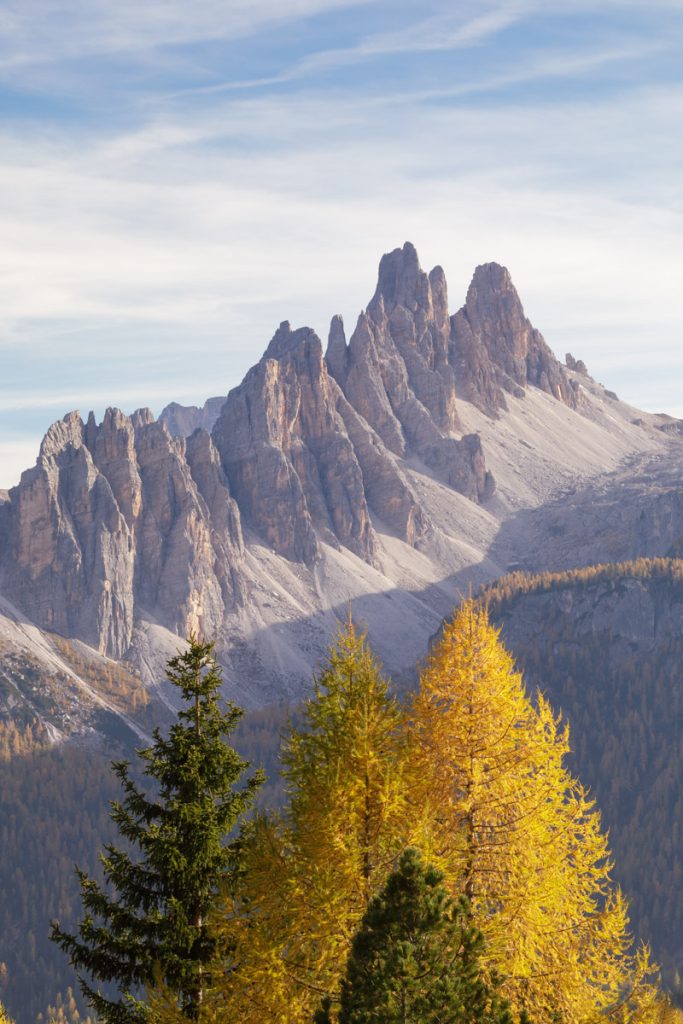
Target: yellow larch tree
[(512, 829), (310, 874)]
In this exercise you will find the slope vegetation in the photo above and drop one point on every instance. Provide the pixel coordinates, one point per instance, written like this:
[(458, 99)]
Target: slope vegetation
[(605, 644)]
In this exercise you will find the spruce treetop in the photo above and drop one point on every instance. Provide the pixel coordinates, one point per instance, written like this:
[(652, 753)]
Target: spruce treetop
[(416, 958), (151, 923)]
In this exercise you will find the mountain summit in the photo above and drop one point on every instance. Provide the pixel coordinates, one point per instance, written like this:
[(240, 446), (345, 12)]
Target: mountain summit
[(382, 471)]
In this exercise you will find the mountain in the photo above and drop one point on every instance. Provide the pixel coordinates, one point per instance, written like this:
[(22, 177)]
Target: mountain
[(426, 454), (183, 420), (394, 470)]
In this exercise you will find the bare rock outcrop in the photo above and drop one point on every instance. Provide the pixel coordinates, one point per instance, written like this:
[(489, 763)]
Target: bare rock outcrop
[(67, 546), (112, 522), (396, 373), (288, 457), (183, 420), (411, 308), (136, 518), (388, 492), (175, 572), (577, 365), (495, 349)]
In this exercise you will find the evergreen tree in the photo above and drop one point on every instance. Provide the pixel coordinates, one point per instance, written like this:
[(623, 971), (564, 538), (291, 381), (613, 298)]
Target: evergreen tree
[(512, 828), (150, 924), (416, 958)]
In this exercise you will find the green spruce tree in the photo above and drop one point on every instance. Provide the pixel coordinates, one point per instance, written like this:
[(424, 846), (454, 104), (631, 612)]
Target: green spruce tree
[(149, 924), (415, 958)]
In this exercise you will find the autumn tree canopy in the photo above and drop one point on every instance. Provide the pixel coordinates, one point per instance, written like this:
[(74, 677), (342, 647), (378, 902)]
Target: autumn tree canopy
[(514, 831), (311, 872)]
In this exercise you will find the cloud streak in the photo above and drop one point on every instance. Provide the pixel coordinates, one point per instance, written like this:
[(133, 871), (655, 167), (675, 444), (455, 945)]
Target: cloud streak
[(36, 31), (187, 226)]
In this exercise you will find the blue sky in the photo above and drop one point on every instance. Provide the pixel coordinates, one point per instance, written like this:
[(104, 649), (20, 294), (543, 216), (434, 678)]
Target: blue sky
[(176, 179)]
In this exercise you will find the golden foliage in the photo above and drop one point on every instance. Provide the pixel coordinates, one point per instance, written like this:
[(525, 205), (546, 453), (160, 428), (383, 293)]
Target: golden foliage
[(111, 679), (17, 740), (473, 774), (516, 832), (605, 645), (310, 874)]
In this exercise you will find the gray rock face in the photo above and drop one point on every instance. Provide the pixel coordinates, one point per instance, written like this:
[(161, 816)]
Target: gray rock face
[(135, 517), (288, 456), (397, 373), (495, 348), (577, 365), (67, 546), (110, 521), (183, 420)]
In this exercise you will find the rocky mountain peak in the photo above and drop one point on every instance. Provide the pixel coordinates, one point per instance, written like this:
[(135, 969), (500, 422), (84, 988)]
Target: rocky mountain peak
[(401, 281), (183, 420), (286, 342), (336, 353), (142, 418), (67, 431), (287, 455), (136, 519), (111, 519), (495, 307), (495, 278), (396, 372), (577, 365), (495, 349)]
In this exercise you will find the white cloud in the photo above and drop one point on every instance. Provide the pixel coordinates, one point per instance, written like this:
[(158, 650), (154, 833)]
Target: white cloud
[(152, 228), (184, 239), (39, 31)]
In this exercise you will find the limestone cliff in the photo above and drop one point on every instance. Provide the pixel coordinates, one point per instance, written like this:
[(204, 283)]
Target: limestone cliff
[(396, 372), (494, 348), (304, 466), (111, 520), (140, 519), (183, 420)]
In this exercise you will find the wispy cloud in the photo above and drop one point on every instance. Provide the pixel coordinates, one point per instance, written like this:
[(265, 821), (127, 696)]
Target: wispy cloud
[(193, 222), (38, 31), (445, 31)]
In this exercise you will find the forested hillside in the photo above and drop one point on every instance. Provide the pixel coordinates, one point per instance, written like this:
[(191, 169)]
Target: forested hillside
[(605, 645), (54, 812)]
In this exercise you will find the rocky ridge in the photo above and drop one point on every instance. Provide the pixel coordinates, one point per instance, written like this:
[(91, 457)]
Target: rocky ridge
[(115, 518), (369, 471)]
